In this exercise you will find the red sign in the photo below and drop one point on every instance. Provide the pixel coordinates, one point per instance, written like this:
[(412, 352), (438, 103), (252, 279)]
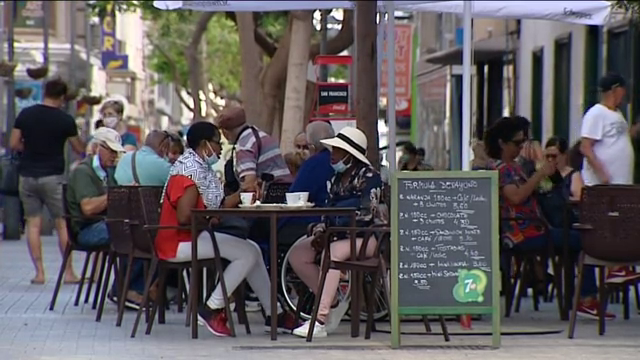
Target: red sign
[(404, 60)]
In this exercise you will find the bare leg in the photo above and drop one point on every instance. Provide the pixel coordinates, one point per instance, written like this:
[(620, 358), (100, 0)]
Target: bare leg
[(61, 228), (34, 224)]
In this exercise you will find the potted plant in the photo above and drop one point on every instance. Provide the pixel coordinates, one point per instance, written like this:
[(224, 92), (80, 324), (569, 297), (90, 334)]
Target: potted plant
[(38, 73), (91, 99), (23, 93), (71, 95), (7, 68)]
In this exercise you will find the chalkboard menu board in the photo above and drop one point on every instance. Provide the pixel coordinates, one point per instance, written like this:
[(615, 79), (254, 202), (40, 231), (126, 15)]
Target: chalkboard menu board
[(444, 243)]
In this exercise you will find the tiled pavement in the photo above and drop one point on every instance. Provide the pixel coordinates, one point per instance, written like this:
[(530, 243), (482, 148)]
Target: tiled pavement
[(29, 331)]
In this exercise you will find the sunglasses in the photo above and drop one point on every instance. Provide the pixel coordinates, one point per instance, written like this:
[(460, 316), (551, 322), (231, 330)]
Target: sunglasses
[(518, 142), (302, 147)]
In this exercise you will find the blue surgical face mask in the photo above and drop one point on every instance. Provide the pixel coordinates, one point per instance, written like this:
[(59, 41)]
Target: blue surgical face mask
[(98, 168), (340, 166), (213, 158)]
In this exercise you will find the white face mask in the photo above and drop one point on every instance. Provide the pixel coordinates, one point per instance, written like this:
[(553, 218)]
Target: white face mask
[(111, 121)]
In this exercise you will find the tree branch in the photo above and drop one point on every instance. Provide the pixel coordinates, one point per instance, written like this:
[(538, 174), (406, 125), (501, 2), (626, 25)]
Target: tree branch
[(178, 89), (261, 38), (340, 42), (176, 79)]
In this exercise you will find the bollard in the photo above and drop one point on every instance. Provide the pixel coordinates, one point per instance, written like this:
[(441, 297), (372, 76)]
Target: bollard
[(465, 322)]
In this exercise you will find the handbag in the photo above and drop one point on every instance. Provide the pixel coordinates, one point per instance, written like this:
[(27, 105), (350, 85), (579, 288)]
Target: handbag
[(133, 168), (10, 178)]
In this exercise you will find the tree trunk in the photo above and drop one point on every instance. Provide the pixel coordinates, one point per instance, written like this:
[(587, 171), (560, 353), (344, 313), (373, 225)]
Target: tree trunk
[(252, 66), (366, 79), (274, 79), (195, 65), (296, 85)]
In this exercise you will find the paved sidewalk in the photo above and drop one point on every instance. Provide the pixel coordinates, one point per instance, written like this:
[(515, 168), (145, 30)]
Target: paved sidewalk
[(28, 331)]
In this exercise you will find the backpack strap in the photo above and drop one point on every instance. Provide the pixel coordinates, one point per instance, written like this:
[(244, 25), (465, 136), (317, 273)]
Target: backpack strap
[(133, 168)]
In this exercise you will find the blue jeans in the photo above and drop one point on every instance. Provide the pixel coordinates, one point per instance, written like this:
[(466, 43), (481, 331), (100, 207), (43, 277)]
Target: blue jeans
[(97, 234), (589, 287)]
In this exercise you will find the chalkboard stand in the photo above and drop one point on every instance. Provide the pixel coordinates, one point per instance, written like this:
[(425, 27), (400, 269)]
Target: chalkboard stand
[(483, 213)]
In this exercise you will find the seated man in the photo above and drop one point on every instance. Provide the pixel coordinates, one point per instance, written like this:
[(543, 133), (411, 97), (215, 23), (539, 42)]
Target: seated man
[(87, 195), (312, 178), (151, 162)]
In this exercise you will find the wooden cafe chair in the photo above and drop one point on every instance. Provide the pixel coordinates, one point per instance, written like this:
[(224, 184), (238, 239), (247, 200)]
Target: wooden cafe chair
[(609, 226), (72, 246)]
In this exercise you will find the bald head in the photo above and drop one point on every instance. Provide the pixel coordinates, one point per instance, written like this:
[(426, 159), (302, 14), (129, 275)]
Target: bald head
[(319, 130), (159, 141)]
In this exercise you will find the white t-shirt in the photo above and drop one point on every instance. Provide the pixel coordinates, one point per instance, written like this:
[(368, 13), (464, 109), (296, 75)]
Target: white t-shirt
[(612, 147)]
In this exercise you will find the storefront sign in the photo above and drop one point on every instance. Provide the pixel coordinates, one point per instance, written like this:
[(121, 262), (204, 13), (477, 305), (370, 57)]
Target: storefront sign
[(111, 60), (403, 44), (333, 98)]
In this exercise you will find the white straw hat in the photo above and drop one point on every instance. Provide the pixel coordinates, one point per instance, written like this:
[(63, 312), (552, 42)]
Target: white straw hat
[(352, 140)]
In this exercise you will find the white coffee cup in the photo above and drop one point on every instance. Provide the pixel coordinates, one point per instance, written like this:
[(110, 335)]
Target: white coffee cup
[(297, 198), (247, 198)]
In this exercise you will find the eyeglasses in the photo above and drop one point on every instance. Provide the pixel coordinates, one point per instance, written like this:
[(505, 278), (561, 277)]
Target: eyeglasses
[(302, 147)]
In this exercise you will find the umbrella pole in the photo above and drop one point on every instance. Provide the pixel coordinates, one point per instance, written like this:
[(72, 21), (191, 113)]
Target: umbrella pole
[(466, 86), (391, 85)]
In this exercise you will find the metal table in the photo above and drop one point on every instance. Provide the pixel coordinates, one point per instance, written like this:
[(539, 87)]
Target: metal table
[(197, 216)]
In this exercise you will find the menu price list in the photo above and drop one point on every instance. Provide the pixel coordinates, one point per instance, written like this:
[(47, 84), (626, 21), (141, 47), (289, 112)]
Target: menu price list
[(444, 227)]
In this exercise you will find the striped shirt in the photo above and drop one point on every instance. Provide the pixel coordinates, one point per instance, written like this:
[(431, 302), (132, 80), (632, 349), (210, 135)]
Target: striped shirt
[(249, 160)]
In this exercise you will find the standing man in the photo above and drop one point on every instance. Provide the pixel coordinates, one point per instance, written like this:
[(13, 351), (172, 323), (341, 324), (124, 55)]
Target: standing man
[(40, 134), (607, 149)]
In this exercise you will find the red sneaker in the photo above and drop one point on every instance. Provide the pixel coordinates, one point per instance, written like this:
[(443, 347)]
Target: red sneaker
[(215, 321), (286, 323), (591, 310), (621, 275)]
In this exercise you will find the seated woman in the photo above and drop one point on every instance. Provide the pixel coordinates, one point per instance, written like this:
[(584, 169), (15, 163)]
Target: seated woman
[(554, 201), (193, 185), (504, 142), (356, 184)]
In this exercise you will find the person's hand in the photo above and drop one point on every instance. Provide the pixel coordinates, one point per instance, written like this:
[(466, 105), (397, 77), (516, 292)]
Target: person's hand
[(604, 179), (254, 187), (319, 229), (548, 168), (635, 128), (214, 221)]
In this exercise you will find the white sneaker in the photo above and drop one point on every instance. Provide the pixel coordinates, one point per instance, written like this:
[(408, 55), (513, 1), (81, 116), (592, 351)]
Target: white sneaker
[(319, 330), (336, 315)]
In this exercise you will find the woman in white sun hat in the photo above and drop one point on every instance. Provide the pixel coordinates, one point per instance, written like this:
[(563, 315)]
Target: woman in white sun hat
[(355, 184)]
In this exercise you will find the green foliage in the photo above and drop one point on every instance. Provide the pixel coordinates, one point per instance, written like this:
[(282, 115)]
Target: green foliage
[(630, 6), (220, 47), (171, 31), (339, 72), (273, 24)]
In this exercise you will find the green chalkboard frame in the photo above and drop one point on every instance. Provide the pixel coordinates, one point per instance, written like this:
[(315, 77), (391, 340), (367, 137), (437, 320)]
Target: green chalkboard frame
[(494, 309)]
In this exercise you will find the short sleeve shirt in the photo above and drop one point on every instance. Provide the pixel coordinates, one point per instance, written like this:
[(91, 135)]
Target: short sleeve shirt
[(612, 147), (252, 158), (167, 240), (45, 130), (516, 231), (84, 183)]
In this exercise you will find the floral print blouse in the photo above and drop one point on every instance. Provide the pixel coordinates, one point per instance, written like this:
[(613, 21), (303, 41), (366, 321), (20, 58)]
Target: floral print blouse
[(522, 228), (362, 192)]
